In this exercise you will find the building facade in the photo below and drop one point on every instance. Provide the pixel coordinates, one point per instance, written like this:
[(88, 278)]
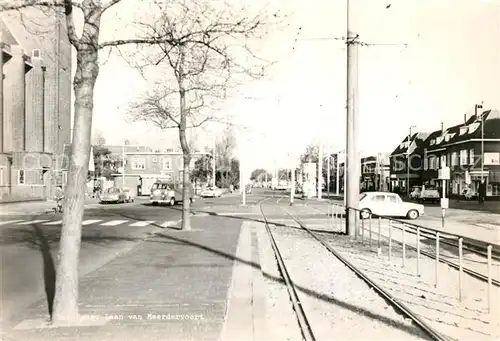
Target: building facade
[(471, 150), (143, 166), (406, 163), (35, 99), (375, 173)]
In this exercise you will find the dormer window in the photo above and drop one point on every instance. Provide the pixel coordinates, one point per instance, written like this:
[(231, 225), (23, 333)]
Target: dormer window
[(463, 130), (439, 139), (433, 142), (473, 127)]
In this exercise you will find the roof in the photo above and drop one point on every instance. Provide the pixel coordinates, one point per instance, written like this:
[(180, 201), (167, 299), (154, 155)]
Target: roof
[(471, 129), (410, 144)]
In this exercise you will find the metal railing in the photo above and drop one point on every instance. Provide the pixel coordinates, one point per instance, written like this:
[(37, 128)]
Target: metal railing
[(337, 212)]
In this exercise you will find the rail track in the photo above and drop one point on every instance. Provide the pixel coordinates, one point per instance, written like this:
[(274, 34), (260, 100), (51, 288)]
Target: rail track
[(303, 322), (446, 241)]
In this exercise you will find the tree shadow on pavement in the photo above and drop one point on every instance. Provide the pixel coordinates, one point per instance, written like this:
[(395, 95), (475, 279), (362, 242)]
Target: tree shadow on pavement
[(45, 240), (49, 268), (318, 295)]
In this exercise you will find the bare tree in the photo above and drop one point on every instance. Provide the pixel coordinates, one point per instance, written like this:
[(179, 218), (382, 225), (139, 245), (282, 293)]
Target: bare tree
[(88, 46), (201, 70)]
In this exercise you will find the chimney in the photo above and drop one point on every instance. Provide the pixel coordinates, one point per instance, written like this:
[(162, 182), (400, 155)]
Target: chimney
[(465, 119), (442, 126)]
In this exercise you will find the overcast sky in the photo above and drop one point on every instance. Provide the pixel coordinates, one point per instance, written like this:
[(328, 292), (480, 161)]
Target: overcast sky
[(450, 63)]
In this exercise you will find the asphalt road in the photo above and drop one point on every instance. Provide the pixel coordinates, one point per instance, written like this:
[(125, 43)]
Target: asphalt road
[(29, 246), (29, 243)]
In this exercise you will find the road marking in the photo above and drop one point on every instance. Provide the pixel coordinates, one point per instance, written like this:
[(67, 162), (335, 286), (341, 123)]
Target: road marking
[(91, 221), (114, 222), (142, 223), (10, 222), (32, 222), (54, 222)]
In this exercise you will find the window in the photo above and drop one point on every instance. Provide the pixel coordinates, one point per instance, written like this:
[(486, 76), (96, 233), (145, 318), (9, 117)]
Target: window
[(463, 157), (454, 159), (1, 176), (443, 160), (463, 130), (138, 163), (379, 198), (495, 189), (21, 180), (471, 156), (392, 198), (167, 164)]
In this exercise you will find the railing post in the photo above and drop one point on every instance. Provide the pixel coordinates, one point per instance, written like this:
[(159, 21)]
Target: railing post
[(390, 239), (437, 259), (370, 231), (418, 251), (362, 230), (489, 277), (403, 230), (379, 247), (460, 267)]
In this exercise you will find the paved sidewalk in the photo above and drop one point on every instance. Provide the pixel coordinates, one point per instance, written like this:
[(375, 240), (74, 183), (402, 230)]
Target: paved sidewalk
[(34, 207), (174, 285)]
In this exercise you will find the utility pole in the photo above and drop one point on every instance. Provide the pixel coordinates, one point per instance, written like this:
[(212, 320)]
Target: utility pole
[(292, 190), (352, 167), (213, 163), (480, 106), (320, 171), (408, 164), (328, 176), (123, 166), (337, 171)]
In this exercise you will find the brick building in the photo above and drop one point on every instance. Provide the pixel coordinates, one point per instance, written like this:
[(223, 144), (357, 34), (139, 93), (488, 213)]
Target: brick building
[(35, 99), (406, 163), (143, 166), (375, 173), (459, 147)]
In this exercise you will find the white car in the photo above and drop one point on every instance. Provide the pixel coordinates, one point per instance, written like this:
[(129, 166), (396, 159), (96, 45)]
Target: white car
[(388, 204), (211, 192)]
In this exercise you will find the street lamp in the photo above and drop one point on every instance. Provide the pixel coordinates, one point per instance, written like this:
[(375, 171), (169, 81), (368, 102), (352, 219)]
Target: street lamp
[(408, 163), (480, 106)]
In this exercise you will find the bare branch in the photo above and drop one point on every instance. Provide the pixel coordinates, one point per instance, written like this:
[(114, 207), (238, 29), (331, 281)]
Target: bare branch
[(111, 3), (70, 24), (20, 4)]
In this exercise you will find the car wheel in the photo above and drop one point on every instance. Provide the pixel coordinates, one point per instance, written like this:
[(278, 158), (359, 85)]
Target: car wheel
[(172, 201), (365, 213), (412, 214)]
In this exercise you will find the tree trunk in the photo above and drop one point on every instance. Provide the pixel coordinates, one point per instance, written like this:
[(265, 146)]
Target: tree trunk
[(65, 309), (186, 153)]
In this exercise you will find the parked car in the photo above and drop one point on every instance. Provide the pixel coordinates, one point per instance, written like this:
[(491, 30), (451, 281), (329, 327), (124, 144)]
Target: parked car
[(429, 194), (129, 194), (168, 192), (211, 192), (113, 195), (388, 204)]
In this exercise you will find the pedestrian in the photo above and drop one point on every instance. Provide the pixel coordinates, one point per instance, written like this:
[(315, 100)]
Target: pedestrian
[(59, 198), (482, 191)]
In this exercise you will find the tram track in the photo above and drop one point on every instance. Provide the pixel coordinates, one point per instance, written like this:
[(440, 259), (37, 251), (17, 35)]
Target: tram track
[(302, 318)]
